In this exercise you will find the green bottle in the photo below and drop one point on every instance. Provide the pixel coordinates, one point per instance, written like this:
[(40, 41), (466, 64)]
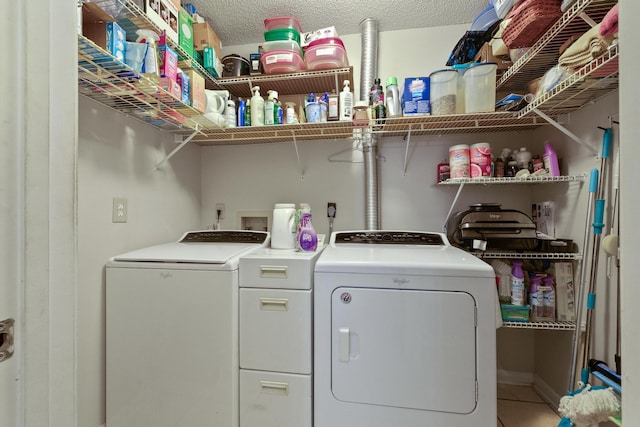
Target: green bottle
[(247, 114)]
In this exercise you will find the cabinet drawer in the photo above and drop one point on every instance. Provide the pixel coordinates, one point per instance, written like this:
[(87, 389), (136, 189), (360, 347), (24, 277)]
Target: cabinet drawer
[(274, 400), (266, 270), (275, 330)]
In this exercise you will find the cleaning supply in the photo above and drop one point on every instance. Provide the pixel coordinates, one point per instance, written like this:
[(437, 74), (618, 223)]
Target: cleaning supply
[(346, 102), (376, 101), (550, 160), (333, 111), (523, 157), (312, 109), (503, 275), (517, 283), (324, 107), (230, 113), (269, 109), (537, 307), (283, 226), (549, 298), (307, 239), (277, 109), (151, 59), (242, 106), (291, 117), (392, 98), (257, 108)]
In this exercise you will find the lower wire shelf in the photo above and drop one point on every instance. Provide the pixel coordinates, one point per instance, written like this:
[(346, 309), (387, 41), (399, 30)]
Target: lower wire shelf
[(556, 326)]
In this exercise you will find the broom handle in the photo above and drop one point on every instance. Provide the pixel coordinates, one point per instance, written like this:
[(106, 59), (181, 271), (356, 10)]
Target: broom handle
[(593, 186)]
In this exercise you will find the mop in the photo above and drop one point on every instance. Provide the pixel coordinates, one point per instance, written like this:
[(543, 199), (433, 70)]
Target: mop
[(590, 405)]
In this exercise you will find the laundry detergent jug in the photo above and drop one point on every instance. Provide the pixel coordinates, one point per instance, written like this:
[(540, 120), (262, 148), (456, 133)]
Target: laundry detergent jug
[(283, 227)]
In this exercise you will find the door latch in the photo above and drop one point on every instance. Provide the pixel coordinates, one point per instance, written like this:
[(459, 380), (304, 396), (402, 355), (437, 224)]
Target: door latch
[(6, 339)]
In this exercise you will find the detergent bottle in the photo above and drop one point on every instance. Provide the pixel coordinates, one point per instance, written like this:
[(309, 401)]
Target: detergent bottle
[(257, 108), (307, 239), (517, 283)]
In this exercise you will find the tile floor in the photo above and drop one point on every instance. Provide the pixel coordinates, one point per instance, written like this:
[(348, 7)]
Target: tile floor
[(520, 406)]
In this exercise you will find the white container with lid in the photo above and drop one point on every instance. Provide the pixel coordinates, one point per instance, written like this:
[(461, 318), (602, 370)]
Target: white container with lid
[(444, 88), (480, 160), (283, 233), (480, 88)]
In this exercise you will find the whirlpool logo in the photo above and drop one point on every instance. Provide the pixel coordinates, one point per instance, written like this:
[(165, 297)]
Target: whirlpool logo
[(400, 280)]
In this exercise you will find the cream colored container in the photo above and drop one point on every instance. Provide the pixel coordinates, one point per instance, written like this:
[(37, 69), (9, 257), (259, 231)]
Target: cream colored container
[(459, 161)]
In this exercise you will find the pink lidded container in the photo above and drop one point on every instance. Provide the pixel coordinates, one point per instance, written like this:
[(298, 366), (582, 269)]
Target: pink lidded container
[(480, 160), (459, 161), (282, 61), (282, 22), (325, 54)]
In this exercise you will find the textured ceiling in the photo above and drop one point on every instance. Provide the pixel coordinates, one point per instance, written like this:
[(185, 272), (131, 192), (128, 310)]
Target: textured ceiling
[(241, 21)]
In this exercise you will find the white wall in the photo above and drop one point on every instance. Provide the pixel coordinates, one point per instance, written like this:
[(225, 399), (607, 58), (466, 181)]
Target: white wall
[(117, 157)]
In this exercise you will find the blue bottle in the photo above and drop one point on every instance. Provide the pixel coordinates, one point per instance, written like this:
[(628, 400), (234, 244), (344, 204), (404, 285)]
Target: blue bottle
[(242, 106)]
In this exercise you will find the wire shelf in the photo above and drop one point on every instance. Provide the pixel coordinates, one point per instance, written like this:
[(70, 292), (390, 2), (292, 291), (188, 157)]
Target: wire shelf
[(544, 53), (552, 256), (555, 326), (508, 180)]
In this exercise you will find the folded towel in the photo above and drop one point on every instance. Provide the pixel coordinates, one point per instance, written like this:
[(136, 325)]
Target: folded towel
[(609, 24), (588, 47)]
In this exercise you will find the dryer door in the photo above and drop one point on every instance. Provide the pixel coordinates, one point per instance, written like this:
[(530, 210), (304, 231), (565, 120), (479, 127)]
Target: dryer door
[(404, 348)]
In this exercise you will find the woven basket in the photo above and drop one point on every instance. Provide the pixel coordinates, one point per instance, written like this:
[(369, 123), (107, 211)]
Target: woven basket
[(529, 20)]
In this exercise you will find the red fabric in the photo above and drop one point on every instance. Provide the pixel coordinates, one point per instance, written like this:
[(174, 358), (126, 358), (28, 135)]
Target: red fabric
[(609, 24)]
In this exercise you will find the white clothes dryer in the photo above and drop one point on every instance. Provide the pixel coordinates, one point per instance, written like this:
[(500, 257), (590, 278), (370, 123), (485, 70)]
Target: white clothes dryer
[(172, 331), (404, 328)]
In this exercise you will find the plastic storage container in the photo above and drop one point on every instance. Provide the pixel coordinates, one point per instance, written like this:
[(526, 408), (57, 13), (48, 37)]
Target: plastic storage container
[(514, 313), (281, 45), (480, 88), (277, 22), (459, 161), (282, 34), (444, 88), (325, 54), (282, 61)]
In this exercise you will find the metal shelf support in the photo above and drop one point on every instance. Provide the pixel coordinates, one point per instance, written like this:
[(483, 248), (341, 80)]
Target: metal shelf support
[(453, 205), (178, 148), (565, 131), (406, 152), (295, 145)]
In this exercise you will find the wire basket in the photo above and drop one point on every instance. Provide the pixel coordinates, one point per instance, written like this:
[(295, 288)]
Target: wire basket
[(529, 20)]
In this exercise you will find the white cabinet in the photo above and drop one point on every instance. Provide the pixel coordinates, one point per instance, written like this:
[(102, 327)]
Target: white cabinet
[(276, 337)]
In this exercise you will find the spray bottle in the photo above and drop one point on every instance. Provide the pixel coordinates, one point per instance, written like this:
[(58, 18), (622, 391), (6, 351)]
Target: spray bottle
[(277, 109), (550, 160), (257, 107), (151, 38), (268, 109), (346, 102), (517, 283)]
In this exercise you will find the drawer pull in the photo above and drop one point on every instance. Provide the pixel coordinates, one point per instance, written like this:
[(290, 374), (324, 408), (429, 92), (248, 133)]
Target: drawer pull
[(274, 387), (273, 271), (274, 304)]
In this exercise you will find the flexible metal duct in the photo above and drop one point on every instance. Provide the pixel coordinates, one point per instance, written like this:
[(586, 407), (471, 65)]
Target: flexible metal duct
[(368, 71)]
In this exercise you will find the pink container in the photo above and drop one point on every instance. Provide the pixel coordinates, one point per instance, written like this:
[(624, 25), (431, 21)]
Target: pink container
[(282, 22), (325, 54), (282, 61), (480, 160), (459, 161)]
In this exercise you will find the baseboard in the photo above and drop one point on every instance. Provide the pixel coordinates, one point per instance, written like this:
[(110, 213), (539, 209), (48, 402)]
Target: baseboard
[(546, 392), (515, 377)]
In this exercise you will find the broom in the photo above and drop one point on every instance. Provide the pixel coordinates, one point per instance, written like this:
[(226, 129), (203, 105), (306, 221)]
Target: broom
[(590, 405)]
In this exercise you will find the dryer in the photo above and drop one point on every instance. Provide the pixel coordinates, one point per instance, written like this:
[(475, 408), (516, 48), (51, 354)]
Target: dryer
[(172, 331), (404, 333)]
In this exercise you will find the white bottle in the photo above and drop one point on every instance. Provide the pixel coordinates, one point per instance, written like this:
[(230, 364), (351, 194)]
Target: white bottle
[(268, 109), (230, 113), (346, 102), (257, 107), (523, 157)]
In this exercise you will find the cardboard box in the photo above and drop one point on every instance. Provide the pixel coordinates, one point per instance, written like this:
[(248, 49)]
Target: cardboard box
[(198, 99), (168, 62), (323, 33), (164, 13), (203, 36), (185, 87), (542, 214), (486, 55), (562, 273), (415, 96), (185, 31), (172, 87), (99, 26)]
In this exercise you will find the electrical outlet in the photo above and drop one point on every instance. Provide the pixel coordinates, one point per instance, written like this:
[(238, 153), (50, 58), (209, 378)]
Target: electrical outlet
[(220, 207), (331, 210), (119, 212)]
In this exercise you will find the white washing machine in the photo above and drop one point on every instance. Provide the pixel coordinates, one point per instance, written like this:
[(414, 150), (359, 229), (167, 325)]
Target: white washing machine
[(405, 335), (172, 331)]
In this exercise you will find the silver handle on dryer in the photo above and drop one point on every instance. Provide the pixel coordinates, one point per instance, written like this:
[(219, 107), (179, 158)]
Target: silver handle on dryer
[(343, 344)]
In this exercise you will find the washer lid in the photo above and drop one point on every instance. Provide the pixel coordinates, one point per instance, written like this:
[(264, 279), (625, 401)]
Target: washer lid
[(200, 247)]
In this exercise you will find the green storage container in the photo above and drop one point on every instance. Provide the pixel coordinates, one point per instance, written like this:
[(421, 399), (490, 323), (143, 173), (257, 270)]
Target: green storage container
[(282, 34)]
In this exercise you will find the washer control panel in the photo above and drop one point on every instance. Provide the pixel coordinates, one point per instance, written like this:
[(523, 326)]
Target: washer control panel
[(389, 237), (225, 236)]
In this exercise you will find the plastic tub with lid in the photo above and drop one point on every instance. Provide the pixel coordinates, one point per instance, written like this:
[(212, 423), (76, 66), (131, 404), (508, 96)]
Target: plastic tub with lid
[(282, 45), (326, 54), (276, 22), (444, 89), (282, 61), (282, 34), (480, 88)]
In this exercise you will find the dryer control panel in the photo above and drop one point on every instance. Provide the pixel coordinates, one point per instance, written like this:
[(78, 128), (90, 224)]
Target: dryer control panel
[(224, 236), (389, 237)]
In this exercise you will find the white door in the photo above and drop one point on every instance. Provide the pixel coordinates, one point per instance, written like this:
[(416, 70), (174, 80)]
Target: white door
[(404, 348)]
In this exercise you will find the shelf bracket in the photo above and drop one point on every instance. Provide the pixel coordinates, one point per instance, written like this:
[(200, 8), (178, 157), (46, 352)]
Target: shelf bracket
[(453, 205), (586, 18), (178, 148), (406, 152), (295, 145), (565, 131)]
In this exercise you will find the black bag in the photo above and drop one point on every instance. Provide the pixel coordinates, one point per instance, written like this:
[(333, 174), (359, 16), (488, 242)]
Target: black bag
[(470, 44)]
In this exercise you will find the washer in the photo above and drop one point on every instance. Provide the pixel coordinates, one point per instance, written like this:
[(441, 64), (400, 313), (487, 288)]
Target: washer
[(404, 329), (172, 331)]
